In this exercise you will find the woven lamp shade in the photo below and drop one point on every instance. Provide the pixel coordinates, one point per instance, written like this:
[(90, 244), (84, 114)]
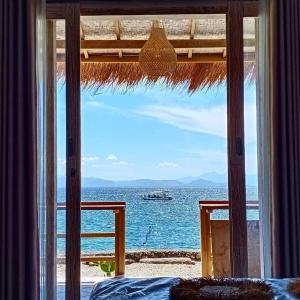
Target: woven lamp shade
[(157, 57)]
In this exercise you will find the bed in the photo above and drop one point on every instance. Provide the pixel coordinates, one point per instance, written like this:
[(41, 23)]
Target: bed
[(158, 288)]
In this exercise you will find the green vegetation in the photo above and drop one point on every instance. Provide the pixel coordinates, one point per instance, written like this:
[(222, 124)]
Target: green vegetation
[(108, 267)]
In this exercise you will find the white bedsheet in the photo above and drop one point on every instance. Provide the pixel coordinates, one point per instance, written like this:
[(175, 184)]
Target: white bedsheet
[(133, 288), (158, 288)]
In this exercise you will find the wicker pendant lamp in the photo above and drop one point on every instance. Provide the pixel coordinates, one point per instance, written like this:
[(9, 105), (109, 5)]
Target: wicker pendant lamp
[(157, 57)]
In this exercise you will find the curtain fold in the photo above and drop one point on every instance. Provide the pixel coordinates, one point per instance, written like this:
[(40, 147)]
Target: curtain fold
[(46, 291), (19, 242), (285, 136), (264, 140)]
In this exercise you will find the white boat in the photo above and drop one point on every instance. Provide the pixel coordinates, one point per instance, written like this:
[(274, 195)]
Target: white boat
[(157, 195)]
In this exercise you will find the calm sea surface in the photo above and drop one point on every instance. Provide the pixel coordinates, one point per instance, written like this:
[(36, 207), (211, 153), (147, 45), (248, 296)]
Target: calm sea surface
[(149, 224)]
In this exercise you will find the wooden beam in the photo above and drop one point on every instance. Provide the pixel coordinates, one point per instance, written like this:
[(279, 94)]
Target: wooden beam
[(138, 44), (236, 144), (73, 166), (82, 37), (86, 54), (118, 35), (81, 32), (51, 162), (193, 28), (117, 29), (181, 58), (250, 9), (153, 7), (96, 206), (56, 10), (120, 204), (91, 235), (197, 58), (192, 34)]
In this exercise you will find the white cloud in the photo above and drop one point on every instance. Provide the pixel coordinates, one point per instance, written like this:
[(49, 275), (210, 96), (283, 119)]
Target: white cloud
[(96, 105), (112, 157), (166, 164), (90, 158), (115, 160), (209, 120), (206, 120)]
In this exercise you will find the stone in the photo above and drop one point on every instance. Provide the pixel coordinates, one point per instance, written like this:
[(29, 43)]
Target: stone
[(129, 261), (168, 260)]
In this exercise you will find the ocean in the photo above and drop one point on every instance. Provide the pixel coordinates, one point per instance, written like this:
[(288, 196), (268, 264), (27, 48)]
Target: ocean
[(150, 224)]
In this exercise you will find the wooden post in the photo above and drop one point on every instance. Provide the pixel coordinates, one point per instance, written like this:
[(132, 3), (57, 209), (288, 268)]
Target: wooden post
[(236, 155), (121, 252), (73, 154), (51, 163), (120, 241), (205, 242), (117, 241)]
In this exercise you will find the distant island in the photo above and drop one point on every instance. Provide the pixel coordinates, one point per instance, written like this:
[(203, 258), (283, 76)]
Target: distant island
[(207, 180)]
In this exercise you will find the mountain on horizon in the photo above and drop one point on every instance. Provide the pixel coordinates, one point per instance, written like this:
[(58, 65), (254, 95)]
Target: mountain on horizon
[(206, 180), (220, 178), (141, 183)]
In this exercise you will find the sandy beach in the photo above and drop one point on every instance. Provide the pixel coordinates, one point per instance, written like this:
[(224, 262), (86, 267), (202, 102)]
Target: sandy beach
[(145, 264), (92, 273)]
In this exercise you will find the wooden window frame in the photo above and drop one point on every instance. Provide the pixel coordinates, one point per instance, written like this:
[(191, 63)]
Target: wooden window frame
[(56, 9), (51, 161), (235, 12), (236, 141)]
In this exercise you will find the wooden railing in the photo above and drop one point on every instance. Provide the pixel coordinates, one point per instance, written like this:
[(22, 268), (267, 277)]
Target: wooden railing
[(118, 209), (206, 208)]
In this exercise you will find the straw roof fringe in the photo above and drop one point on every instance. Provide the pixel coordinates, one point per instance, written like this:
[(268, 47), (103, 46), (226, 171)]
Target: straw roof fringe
[(187, 76)]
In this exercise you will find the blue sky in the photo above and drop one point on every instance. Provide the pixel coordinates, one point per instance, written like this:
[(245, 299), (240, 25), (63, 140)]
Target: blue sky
[(155, 132)]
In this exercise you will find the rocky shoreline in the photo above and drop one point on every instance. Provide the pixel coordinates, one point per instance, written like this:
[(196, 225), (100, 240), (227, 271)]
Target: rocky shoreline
[(135, 256)]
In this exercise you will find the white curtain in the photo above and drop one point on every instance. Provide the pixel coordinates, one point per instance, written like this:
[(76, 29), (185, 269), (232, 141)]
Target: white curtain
[(264, 140), (41, 134)]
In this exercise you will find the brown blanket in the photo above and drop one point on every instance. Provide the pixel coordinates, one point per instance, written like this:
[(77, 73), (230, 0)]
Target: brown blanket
[(222, 288)]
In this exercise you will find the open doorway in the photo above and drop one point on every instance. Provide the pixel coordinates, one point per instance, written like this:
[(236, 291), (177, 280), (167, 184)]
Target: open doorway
[(157, 143), (183, 104)]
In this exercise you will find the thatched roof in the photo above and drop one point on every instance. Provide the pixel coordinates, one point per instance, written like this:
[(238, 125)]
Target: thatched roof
[(110, 48)]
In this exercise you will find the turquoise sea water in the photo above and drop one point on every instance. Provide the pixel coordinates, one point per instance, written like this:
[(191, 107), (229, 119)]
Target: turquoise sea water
[(149, 224)]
